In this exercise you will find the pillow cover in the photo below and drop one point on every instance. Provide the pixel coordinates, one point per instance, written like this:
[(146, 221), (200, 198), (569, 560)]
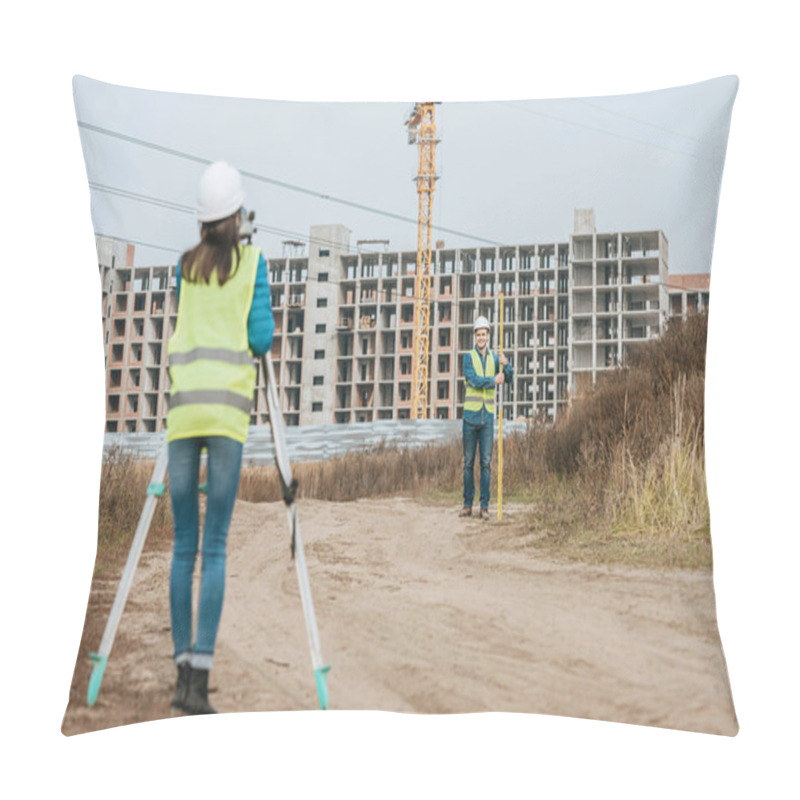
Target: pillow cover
[(582, 230)]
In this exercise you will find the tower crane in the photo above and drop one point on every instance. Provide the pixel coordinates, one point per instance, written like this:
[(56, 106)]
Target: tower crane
[(421, 125)]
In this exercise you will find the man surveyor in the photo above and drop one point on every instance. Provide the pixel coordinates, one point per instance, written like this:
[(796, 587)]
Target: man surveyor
[(482, 374)]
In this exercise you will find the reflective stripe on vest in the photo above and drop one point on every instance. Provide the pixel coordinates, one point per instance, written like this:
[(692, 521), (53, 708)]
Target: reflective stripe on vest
[(212, 354), (214, 396), (476, 399), (210, 364)]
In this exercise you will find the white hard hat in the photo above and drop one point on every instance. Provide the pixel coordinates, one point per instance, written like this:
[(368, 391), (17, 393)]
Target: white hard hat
[(219, 193), (481, 322)]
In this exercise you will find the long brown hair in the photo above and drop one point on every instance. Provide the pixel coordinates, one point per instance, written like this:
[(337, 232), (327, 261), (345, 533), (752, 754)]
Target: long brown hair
[(218, 243)]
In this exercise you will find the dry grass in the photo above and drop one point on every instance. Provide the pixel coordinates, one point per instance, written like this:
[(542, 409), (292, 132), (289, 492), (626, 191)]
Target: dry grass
[(379, 472), (123, 489), (123, 486), (630, 462)]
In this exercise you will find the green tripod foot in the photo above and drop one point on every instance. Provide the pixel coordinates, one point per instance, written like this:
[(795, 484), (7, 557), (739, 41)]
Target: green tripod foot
[(96, 677), (321, 675)]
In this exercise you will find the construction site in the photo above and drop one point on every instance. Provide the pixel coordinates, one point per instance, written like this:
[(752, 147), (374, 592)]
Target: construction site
[(364, 332), (344, 323)]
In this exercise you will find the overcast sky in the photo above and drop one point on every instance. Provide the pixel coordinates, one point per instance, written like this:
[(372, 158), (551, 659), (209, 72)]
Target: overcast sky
[(510, 172)]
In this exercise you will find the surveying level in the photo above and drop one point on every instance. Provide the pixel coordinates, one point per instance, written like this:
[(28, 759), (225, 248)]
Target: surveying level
[(246, 226)]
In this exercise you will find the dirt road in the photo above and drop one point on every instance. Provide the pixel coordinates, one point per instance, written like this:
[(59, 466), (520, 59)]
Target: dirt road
[(420, 611)]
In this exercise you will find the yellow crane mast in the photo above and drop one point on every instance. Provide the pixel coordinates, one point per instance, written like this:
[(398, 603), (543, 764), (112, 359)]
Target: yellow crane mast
[(422, 132)]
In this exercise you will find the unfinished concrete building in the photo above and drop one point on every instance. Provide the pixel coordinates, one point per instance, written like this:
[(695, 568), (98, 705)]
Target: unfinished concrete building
[(139, 313), (344, 323), (618, 296)]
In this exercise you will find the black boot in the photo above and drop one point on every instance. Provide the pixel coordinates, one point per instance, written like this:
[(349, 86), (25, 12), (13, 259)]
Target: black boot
[(181, 687), (197, 697)]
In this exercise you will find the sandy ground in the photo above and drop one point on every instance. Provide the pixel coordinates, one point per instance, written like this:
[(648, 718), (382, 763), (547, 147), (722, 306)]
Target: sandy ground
[(420, 611)]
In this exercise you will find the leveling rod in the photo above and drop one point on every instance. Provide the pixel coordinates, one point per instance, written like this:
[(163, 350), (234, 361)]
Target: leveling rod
[(501, 388)]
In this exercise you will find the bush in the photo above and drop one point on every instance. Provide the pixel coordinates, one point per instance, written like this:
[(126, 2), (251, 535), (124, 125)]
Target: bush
[(631, 405), (123, 491)]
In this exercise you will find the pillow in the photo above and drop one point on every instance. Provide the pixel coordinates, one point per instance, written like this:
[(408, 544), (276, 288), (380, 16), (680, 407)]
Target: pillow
[(589, 591)]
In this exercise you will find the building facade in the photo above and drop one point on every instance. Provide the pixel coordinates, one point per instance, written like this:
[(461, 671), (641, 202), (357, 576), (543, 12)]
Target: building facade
[(344, 323), (688, 294)]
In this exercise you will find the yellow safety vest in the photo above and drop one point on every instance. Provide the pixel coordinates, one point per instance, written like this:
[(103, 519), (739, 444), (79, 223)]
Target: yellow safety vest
[(475, 399), (210, 364)]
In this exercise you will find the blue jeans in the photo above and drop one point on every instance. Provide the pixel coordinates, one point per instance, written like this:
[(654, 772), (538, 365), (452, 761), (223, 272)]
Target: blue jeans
[(474, 436), (224, 466)]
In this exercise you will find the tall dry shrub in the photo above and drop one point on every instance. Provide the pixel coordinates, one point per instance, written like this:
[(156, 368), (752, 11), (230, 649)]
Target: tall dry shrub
[(679, 354), (680, 351), (631, 451), (667, 493), (123, 491), (631, 405), (621, 408)]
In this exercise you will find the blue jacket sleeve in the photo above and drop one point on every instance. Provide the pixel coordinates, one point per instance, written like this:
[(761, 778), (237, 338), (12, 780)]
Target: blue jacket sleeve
[(472, 377), (508, 369), (260, 322)]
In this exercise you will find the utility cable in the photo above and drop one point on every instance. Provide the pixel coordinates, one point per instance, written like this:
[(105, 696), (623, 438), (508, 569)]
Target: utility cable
[(602, 130), (648, 124), (155, 201), (125, 240), (275, 182), (127, 194)]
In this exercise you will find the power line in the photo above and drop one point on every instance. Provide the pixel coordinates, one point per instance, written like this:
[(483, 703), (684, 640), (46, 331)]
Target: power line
[(273, 181), (140, 244), (649, 124), (155, 201), (601, 130)]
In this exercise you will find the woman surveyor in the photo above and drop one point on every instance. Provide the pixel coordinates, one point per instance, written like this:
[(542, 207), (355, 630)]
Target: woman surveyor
[(224, 320)]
